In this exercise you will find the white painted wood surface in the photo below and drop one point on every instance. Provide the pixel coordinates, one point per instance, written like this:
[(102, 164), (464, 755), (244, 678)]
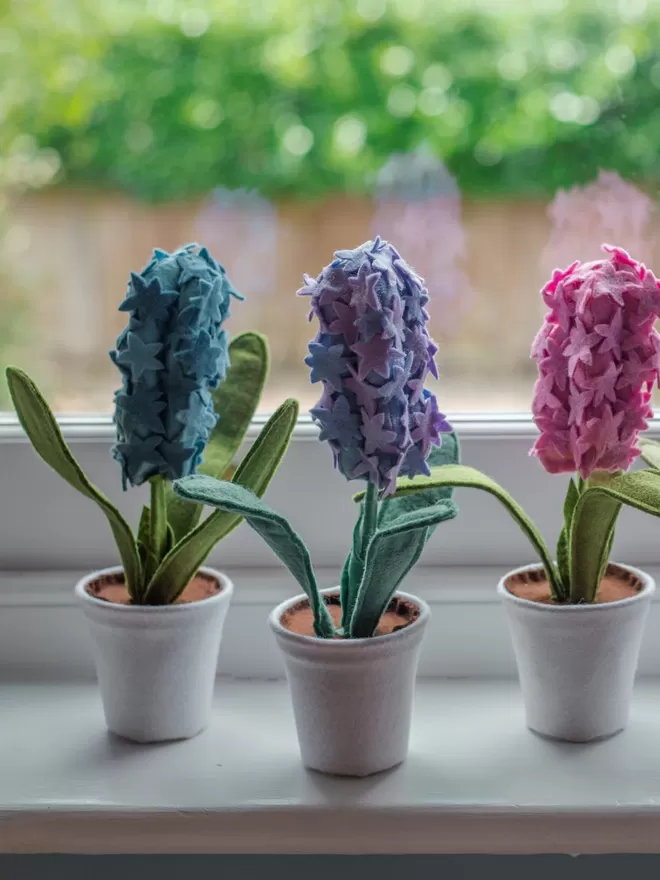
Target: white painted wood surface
[(476, 781)]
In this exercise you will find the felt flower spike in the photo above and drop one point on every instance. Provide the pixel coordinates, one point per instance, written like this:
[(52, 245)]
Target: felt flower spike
[(598, 359), (371, 356), (186, 402)]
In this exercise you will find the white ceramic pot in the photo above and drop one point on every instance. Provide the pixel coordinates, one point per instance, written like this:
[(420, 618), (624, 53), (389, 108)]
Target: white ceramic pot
[(352, 698), (156, 665), (577, 663)]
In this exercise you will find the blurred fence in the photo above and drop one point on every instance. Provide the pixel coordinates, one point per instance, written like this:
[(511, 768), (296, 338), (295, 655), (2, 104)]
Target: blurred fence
[(79, 247)]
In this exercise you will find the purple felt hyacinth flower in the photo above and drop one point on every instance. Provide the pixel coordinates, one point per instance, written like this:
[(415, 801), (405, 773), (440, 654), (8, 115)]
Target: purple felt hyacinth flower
[(372, 355)]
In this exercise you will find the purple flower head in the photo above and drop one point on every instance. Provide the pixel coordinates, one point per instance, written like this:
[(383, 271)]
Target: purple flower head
[(372, 355)]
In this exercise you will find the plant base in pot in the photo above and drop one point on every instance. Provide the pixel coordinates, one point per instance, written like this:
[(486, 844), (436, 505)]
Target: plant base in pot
[(156, 664), (577, 663), (352, 698)]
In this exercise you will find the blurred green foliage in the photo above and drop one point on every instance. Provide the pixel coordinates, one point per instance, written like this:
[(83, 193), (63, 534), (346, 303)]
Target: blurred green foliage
[(168, 99)]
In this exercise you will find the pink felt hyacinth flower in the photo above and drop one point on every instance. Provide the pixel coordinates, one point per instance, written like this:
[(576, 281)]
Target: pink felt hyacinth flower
[(598, 357)]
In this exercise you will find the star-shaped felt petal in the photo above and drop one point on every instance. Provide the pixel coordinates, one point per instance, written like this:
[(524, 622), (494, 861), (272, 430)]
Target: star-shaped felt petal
[(148, 299), (198, 415), (203, 355), (600, 436), (538, 345), (609, 284), (554, 363), (338, 423), (344, 323), (543, 393), (429, 424), (347, 458), (414, 304), (415, 340), (378, 356), (143, 406), (141, 457), (376, 437), (549, 292), (194, 269), (579, 346), (579, 401), (397, 315), (611, 333), (400, 375), (367, 466), (636, 370), (416, 386), (415, 462), (367, 394), (327, 363), (649, 297), (140, 357), (407, 273), (310, 288), (603, 386), (178, 459), (376, 323), (363, 287), (392, 474), (555, 452), (179, 385), (210, 302)]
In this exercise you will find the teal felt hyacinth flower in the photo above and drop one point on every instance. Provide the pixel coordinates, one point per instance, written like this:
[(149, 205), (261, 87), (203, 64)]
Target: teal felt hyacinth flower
[(171, 355)]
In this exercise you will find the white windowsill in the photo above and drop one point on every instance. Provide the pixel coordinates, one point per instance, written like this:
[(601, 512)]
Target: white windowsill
[(476, 781)]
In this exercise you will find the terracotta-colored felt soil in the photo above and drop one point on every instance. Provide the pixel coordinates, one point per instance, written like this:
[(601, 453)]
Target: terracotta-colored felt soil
[(617, 584), (111, 588), (300, 619)]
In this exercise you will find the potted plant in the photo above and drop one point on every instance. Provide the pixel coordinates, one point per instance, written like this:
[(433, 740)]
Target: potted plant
[(351, 652), (186, 400), (577, 619)]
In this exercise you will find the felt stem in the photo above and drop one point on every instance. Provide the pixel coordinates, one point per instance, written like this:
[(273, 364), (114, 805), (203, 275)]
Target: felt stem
[(362, 535), (370, 514)]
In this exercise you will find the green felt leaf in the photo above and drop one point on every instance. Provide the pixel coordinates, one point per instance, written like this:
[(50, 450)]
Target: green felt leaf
[(276, 531), (235, 401), (255, 473), (594, 520), (42, 429), (563, 544), (411, 547), (650, 452), (391, 554), (462, 476)]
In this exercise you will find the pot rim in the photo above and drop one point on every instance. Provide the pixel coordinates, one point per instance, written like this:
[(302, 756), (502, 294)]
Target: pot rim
[(344, 644), (227, 589), (648, 588)]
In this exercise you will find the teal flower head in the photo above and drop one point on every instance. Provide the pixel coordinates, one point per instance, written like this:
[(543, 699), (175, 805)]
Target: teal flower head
[(172, 354)]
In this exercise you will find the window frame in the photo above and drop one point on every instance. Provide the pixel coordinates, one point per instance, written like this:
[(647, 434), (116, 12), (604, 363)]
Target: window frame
[(51, 537)]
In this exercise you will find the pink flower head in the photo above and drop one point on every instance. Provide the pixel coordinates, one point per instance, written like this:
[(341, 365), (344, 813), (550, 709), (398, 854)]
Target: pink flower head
[(598, 357)]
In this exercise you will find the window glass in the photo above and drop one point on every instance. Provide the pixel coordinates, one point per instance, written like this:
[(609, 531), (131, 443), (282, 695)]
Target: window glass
[(488, 140)]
